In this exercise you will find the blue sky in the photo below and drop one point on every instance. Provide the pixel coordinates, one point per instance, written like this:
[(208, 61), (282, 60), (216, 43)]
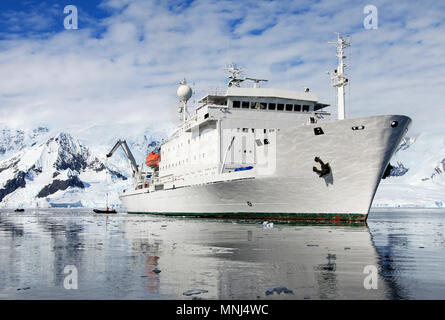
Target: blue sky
[(124, 62), (43, 18)]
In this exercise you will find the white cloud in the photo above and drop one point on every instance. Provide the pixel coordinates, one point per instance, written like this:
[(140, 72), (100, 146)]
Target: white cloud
[(130, 72)]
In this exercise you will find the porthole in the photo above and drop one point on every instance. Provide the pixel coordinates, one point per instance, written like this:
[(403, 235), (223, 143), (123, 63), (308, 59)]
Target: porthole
[(394, 124)]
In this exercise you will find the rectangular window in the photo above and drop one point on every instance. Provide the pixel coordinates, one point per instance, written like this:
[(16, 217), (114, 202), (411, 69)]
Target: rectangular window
[(255, 105), (245, 105), (272, 106), (305, 108), (245, 129), (289, 107), (280, 106), (236, 104), (297, 107), (263, 106)]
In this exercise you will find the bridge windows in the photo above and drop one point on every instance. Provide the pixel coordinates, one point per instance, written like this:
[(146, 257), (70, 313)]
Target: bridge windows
[(257, 105)]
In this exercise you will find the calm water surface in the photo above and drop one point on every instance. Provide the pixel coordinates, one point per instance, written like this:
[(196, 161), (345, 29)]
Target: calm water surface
[(115, 257)]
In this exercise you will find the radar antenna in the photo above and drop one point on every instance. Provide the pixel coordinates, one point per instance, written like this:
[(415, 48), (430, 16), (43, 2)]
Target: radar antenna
[(338, 78), (235, 75), (256, 81)]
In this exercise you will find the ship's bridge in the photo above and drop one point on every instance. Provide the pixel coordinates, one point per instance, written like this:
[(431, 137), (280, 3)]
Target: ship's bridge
[(224, 132), (264, 99)]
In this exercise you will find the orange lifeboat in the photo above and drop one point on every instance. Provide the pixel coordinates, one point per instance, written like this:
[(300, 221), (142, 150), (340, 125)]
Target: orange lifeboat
[(152, 160)]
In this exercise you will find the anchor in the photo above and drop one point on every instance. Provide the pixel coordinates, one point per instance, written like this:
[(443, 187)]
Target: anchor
[(325, 168)]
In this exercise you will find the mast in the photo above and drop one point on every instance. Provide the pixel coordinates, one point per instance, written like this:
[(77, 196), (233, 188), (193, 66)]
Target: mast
[(338, 78), (235, 75)]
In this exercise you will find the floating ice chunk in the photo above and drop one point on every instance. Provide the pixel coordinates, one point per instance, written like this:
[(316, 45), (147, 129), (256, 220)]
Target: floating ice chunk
[(267, 225), (194, 291)]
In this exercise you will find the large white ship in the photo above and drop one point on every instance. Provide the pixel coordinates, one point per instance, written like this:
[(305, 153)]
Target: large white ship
[(261, 153)]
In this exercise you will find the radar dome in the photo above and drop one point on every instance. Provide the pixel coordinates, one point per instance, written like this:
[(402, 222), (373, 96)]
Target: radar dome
[(184, 92)]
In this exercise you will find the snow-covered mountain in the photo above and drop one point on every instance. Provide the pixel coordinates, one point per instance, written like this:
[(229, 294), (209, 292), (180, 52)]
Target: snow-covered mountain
[(63, 171), (418, 175), (15, 140)]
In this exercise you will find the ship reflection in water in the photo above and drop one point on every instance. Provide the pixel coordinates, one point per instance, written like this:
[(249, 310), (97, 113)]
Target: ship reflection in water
[(154, 257)]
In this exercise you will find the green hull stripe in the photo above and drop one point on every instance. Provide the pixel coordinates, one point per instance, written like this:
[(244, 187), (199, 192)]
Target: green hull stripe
[(268, 216)]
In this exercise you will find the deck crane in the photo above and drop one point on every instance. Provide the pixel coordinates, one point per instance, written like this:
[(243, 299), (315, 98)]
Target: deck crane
[(128, 153)]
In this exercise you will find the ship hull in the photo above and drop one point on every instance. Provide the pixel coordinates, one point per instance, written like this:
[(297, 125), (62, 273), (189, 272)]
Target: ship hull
[(292, 190)]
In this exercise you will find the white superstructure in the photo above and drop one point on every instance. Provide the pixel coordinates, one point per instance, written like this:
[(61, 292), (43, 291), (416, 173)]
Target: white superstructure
[(254, 152)]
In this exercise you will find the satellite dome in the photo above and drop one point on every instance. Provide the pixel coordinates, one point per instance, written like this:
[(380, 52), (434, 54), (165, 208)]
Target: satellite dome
[(184, 92)]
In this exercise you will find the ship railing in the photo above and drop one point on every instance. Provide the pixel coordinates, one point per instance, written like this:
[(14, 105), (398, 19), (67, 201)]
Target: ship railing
[(218, 91)]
